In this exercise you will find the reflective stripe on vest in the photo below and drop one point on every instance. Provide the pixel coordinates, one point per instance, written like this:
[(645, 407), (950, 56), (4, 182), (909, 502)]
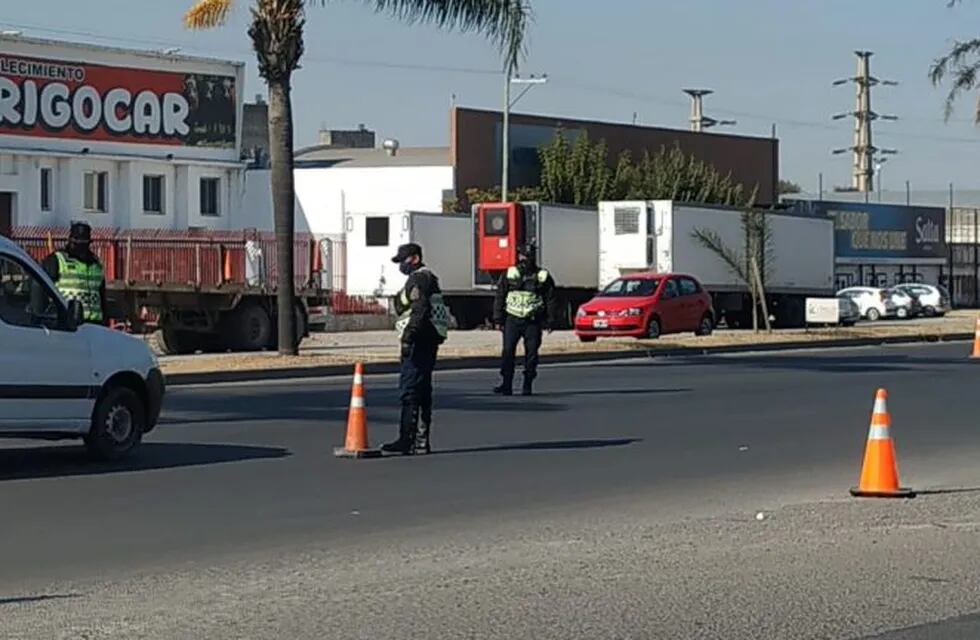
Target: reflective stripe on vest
[(81, 282), (522, 303), (439, 316)]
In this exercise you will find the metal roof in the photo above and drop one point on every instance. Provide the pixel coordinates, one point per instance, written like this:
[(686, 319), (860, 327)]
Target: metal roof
[(141, 53), (325, 157)]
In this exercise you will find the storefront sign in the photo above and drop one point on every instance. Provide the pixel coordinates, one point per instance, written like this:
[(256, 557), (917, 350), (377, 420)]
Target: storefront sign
[(866, 230), (62, 99)]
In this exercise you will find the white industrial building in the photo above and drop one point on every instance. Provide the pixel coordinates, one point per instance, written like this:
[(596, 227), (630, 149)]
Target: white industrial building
[(118, 138), (332, 182)]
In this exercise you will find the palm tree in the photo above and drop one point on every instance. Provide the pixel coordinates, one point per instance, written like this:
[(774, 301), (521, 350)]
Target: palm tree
[(962, 62), (276, 32)]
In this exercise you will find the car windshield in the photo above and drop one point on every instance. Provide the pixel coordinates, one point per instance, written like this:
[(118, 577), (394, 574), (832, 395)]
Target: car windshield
[(630, 287)]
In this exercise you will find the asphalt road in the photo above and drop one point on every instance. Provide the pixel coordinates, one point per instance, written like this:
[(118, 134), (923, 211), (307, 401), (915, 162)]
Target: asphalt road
[(621, 502)]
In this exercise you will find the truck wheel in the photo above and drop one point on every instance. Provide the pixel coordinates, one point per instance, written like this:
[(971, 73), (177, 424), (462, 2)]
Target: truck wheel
[(171, 342), (301, 329), (706, 326), (252, 328), (118, 423)]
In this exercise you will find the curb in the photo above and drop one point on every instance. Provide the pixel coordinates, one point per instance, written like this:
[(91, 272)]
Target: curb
[(492, 362)]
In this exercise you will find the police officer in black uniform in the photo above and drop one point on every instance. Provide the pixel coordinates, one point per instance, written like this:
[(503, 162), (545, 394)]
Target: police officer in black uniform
[(423, 324), (523, 307)]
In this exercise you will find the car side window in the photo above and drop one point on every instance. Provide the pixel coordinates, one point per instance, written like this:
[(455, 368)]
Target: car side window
[(25, 301), (688, 287), (670, 289)]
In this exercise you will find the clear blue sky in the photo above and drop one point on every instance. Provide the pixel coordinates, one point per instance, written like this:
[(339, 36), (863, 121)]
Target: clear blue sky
[(769, 61)]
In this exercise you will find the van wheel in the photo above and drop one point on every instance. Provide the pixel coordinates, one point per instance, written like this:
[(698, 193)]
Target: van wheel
[(118, 423), (706, 326)]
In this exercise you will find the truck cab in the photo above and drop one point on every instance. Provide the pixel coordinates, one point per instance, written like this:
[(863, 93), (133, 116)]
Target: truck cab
[(60, 378)]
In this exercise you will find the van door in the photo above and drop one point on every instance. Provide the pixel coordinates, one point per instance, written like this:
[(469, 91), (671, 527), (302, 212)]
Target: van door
[(46, 381)]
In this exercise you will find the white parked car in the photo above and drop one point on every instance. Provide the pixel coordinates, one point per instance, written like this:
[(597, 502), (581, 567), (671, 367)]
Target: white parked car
[(905, 305), (934, 300), (60, 378), (873, 303)]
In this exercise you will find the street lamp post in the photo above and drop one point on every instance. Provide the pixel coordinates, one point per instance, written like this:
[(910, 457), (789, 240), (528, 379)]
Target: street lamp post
[(509, 79)]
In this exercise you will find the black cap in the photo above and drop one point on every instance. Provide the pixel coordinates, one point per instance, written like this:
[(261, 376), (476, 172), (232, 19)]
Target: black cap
[(80, 232), (406, 251), (526, 249)]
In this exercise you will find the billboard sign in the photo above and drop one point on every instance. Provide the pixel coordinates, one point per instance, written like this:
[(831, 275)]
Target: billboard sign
[(876, 231), (90, 102)]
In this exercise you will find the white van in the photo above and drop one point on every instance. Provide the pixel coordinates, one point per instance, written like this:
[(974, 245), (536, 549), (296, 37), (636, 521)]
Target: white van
[(60, 378)]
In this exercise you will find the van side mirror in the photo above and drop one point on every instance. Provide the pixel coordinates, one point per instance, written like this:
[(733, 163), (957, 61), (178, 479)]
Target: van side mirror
[(76, 314)]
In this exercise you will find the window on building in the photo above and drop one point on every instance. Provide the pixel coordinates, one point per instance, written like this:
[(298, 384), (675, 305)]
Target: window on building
[(376, 232), (153, 194), (211, 197), (96, 187), (46, 177)]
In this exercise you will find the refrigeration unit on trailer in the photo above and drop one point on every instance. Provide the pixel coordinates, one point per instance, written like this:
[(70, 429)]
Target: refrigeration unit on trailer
[(565, 236), (659, 236), (372, 239)]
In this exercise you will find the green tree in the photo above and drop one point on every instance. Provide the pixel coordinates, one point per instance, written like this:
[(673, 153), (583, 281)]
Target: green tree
[(276, 32), (787, 186)]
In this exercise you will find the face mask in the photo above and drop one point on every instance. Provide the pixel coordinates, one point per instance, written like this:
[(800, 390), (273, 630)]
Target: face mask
[(406, 268)]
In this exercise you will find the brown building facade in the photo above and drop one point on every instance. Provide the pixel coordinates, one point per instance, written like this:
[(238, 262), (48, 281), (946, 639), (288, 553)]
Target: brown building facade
[(476, 141)]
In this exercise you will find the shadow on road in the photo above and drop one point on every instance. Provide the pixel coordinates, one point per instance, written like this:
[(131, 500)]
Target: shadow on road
[(818, 362), (51, 462), (555, 445), (41, 598), (610, 392), (943, 492)]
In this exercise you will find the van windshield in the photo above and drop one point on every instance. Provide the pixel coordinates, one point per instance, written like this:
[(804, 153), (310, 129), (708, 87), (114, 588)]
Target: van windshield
[(630, 287)]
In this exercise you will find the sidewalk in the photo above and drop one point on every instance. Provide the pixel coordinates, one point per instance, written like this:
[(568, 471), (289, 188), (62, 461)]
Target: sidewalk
[(326, 350)]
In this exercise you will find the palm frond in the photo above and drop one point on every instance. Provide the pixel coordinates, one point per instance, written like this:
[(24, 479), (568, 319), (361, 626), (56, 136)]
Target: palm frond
[(504, 21), (962, 63), (207, 14)]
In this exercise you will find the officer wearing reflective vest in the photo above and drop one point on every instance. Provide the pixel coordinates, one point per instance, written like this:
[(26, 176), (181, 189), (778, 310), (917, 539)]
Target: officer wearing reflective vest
[(422, 325), (78, 273), (523, 307)]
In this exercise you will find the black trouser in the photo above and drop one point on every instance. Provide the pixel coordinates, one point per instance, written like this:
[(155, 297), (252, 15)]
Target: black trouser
[(516, 329), (415, 386)]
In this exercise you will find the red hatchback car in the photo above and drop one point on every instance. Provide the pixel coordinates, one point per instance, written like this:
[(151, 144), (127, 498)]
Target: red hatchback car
[(646, 305)]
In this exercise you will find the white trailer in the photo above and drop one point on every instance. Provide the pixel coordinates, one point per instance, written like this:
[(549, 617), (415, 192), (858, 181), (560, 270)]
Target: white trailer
[(659, 236), (372, 239)]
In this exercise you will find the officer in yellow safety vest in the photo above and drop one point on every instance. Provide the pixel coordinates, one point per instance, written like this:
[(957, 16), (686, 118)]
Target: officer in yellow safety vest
[(78, 273), (422, 325), (523, 307)]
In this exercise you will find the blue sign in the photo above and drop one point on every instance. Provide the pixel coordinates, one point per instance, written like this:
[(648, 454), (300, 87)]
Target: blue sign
[(869, 230)]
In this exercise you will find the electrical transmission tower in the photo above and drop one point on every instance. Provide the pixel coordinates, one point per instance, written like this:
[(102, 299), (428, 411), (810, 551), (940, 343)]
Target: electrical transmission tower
[(699, 121), (863, 149)]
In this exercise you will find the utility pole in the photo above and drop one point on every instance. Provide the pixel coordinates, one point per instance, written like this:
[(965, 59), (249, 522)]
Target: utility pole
[(699, 121), (863, 150)]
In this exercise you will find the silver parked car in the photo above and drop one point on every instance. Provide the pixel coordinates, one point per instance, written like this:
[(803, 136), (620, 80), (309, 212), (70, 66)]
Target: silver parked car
[(933, 300), (847, 311)]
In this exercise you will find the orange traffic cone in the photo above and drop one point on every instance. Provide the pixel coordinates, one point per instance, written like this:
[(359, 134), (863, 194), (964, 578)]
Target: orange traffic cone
[(879, 475), (356, 444), (976, 341)]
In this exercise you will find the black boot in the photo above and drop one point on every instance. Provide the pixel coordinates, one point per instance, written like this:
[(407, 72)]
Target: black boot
[(503, 390), (406, 432), (421, 445), (526, 389)]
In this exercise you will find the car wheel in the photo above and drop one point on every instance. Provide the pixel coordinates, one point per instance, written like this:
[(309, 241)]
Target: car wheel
[(929, 312), (705, 327), (902, 313), (873, 315), (653, 329), (118, 423), (586, 338)]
